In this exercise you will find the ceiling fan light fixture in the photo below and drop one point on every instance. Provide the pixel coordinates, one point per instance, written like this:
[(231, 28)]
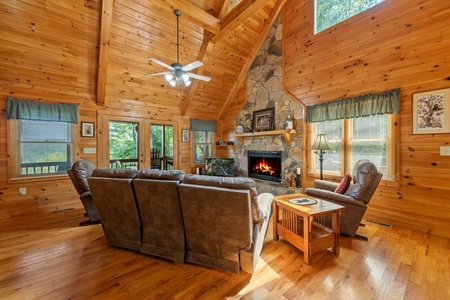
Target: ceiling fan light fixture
[(173, 82), (185, 77), (169, 77), (187, 83)]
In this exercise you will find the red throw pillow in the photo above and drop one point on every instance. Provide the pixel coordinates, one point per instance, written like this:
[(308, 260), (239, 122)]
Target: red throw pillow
[(342, 187)]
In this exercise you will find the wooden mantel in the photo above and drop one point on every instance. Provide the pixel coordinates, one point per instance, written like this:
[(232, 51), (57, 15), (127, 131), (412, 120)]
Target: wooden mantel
[(287, 133)]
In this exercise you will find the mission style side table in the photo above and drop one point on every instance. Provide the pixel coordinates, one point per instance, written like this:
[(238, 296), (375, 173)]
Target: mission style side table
[(304, 225)]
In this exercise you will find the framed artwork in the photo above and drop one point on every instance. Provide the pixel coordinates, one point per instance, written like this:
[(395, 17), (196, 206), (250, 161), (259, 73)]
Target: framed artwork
[(185, 137), (263, 119), (87, 129), (431, 112)]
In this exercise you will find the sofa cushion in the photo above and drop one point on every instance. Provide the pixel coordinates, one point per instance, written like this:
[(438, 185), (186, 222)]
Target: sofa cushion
[(345, 182), (114, 173), (237, 183), (162, 175)]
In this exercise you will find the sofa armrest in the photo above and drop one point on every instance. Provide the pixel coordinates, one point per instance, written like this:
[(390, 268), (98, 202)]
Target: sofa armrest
[(336, 197), (326, 185), (265, 206)]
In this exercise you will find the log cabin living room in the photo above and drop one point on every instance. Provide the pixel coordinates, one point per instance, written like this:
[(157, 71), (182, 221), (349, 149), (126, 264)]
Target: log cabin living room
[(178, 88)]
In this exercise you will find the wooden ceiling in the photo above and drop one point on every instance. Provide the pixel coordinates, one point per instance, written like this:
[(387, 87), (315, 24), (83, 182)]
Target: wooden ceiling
[(95, 52), (224, 34)]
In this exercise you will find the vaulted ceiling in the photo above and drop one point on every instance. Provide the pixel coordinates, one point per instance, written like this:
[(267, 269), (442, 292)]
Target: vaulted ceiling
[(95, 52), (224, 34)]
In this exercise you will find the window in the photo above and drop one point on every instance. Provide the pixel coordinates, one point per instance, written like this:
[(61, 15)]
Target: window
[(331, 12), (203, 145), (41, 147), (354, 139)]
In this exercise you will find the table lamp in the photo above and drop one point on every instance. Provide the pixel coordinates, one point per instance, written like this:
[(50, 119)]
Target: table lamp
[(321, 143)]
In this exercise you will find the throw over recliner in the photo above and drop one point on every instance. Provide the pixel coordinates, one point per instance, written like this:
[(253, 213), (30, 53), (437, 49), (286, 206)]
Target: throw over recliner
[(160, 211), (225, 221), (78, 173), (365, 180), (113, 193)]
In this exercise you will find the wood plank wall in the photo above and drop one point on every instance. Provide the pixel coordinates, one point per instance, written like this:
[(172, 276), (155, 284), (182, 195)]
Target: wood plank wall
[(50, 52), (397, 44)]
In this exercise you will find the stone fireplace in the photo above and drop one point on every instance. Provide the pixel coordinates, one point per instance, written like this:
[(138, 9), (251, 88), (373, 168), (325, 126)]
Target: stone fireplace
[(264, 90)]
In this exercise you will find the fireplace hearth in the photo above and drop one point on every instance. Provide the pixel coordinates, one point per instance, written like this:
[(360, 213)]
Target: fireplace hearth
[(265, 165)]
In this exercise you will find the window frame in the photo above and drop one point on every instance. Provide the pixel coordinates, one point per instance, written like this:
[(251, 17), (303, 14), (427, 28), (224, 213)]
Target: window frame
[(14, 153), (346, 154)]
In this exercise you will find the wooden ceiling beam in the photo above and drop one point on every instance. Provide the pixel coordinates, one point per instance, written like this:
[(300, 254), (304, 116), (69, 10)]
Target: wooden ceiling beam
[(243, 74), (239, 15), (103, 60), (193, 13), (224, 8)]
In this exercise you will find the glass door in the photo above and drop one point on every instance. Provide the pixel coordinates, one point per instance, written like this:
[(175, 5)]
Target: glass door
[(161, 145), (124, 145)]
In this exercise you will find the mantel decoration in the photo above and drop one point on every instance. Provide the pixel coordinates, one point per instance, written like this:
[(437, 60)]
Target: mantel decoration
[(87, 129), (263, 119), (431, 112)]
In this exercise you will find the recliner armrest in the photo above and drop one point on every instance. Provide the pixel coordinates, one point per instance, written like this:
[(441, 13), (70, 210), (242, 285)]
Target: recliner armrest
[(328, 195), (326, 185)]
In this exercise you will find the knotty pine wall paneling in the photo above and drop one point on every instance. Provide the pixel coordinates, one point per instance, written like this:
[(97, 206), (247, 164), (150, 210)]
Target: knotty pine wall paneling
[(396, 44)]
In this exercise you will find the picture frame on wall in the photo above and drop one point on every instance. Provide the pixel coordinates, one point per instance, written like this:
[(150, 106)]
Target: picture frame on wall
[(87, 129), (431, 112), (263, 119), (185, 136)]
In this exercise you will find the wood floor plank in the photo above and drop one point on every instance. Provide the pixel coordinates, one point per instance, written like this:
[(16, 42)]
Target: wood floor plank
[(48, 256)]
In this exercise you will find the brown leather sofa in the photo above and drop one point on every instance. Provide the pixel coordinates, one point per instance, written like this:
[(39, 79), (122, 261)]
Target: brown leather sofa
[(113, 193), (78, 173), (225, 221), (365, 180), (160, 212), (214, 221)]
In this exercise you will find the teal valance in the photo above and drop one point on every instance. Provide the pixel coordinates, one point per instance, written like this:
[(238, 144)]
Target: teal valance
[(203, 125), (39, 111), (360, 106)]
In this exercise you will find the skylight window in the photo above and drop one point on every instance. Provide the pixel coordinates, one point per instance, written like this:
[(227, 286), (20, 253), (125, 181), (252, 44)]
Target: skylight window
[(330, 12)]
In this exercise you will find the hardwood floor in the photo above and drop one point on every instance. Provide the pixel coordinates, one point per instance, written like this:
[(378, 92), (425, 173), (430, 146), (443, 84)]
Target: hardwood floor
[(48, 256)]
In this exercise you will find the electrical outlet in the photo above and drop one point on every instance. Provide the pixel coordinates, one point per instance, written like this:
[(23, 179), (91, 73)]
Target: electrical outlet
[(445, 150), (89, 150), (22, 191)]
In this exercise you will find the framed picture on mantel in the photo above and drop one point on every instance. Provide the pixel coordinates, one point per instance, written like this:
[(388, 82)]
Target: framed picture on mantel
[(263, 119), (431, 112)]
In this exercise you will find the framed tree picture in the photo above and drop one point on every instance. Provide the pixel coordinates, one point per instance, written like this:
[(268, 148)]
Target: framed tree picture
[(431, 112), (185, 136), (87, 129), (263, 119)]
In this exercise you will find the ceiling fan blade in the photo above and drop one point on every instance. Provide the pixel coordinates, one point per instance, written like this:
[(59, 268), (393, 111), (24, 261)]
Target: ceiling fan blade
[(160, 63), (201, 77), (156, 74), (192, 66)]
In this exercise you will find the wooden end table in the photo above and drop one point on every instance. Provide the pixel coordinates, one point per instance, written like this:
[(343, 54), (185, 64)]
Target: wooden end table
[(304, 225)]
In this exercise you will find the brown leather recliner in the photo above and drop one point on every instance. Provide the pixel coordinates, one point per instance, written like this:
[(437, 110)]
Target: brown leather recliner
[(225, 221), (78, 173), (160, 211), (113, 193), (365, 180)]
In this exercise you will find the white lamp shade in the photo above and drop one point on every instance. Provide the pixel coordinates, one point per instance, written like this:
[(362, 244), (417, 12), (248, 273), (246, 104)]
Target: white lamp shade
[(321, 143)]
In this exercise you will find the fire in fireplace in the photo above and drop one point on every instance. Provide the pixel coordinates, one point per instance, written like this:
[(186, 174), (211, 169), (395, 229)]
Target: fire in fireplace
[(265, 165)]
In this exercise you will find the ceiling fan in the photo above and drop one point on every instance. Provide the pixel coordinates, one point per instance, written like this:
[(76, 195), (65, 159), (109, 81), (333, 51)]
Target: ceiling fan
[(179, 74)]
